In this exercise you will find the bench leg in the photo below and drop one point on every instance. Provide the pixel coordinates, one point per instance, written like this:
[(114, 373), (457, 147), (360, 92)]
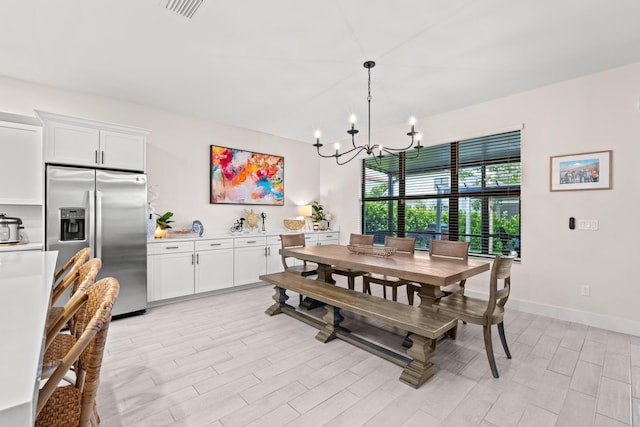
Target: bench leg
[(333, 319), (280, 297), (420, 369)]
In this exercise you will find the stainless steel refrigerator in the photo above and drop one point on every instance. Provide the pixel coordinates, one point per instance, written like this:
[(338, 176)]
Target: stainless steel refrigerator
[(104, 210)]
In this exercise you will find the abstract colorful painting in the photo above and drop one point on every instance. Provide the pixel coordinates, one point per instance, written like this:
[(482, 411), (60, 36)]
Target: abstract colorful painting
[(247, 178)]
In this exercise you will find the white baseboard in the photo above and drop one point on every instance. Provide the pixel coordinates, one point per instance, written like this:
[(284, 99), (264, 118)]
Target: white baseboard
[(611, 323)]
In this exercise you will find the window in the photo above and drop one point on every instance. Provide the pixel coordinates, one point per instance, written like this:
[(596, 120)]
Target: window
[(466, 190)]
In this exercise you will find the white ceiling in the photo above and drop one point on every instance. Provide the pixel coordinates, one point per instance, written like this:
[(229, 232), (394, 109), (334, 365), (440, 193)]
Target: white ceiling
[(289, 67)]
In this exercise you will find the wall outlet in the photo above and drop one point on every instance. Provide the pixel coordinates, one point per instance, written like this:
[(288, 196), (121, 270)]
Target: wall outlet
[(585, 290)]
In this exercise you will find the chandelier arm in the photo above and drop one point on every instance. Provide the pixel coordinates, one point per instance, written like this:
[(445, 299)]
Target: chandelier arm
[(415, 154), (328, 156), (411, 134), (359, 150)]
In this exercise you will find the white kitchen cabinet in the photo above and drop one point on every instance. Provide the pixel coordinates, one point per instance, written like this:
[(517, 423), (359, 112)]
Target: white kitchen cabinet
[(274, 260), (213, 264), (181, 268), (79, 142), (249, 259), (122, 151), (170, 270), (328, 238), (21, 170)]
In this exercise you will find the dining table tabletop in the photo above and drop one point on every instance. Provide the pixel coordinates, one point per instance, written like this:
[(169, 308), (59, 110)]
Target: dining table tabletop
[(26, 279), (427, 272)]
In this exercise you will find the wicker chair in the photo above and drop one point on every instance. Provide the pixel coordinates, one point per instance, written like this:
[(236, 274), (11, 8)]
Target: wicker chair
[(289, 241), (62, 279), (355, 239), (74, 405), (58, 344), (402, 245), (482, 312)]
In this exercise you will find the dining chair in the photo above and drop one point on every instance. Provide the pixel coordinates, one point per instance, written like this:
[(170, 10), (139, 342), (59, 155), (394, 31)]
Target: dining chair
[(355, 239), (446, 249), (482, 312), (64, 278), (75, 404), (290, 241), (57, 344), (402, 245)]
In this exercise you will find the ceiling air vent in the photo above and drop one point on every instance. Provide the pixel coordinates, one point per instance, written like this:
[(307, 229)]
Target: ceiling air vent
[(185, 8)]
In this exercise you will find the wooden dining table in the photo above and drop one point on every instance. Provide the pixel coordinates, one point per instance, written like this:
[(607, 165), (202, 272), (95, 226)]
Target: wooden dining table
[(425, 271)]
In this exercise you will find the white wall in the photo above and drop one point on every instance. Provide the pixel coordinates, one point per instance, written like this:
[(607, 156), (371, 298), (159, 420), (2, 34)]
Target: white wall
[(178, 153), (593, 113)]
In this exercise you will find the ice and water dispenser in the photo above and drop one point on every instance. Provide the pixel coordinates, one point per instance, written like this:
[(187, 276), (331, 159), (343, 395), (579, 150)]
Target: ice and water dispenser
[(72, 224)]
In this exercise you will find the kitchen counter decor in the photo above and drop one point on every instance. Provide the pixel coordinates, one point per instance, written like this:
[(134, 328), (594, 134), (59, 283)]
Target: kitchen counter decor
[(379, 251), (294, 224)]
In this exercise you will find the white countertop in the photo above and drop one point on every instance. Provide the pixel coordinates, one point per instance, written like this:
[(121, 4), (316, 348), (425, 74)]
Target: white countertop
[(36, 246), (229, 235), (25, 291)]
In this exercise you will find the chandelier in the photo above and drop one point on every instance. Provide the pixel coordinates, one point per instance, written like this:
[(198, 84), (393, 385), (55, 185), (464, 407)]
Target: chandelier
[(374, 150)]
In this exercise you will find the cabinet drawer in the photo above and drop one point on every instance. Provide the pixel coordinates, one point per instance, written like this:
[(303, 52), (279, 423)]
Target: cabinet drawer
[(310, 239), (205, 245), (328, 236), (274, 240), (169, 247), (249, 241)]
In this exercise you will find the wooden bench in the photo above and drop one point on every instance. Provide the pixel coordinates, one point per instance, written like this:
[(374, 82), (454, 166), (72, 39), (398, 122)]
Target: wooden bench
[(424, 325)]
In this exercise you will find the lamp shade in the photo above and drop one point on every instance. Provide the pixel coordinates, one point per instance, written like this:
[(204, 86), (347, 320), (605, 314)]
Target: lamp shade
[(304, 210)]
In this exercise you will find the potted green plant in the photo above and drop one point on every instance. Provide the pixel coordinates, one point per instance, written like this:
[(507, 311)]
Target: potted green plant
[(164, 220), (319, 216)]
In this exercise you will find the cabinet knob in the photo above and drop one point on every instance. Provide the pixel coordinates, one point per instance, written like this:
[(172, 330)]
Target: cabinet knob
[(172, 247)]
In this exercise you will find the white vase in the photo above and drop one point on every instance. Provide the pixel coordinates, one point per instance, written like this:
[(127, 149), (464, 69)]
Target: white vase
[(151, 223)]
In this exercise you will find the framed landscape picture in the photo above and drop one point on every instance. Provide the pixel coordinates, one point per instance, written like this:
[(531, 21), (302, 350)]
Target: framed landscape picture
[(244, 177), (582, 171)]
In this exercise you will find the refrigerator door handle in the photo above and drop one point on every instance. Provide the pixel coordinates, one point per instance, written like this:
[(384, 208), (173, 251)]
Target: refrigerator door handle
[(92, 221), (98, 215)]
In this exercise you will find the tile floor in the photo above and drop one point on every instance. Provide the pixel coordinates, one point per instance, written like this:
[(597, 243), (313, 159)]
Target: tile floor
[(220, 361)]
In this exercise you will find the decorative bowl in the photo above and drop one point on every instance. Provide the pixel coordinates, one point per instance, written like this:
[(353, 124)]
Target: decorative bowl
[(294, 224), (379, 251)]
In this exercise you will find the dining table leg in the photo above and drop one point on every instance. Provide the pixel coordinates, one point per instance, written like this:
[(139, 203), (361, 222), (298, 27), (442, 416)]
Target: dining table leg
[(324, 275), (429, 294)]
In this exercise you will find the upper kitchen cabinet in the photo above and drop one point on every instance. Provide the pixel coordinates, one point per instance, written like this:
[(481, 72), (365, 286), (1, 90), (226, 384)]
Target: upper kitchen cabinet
[(80, 142), (21, 170)]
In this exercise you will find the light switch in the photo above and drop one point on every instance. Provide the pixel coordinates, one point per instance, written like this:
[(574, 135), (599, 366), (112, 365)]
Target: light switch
[(588, 224)]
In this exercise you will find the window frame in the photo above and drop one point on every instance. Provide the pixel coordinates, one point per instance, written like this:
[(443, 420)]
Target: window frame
[(509, 155)]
